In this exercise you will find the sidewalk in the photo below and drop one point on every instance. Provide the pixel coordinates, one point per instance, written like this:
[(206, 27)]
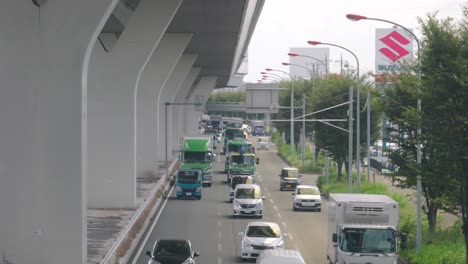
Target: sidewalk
[(112, 233)]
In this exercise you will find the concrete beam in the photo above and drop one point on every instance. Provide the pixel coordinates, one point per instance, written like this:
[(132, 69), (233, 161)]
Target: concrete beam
[(43, 76), (112, 105)]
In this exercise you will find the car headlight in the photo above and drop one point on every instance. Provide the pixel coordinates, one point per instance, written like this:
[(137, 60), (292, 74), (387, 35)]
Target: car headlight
[(199, 189), (297, 200), (178, 189), (260, 205), (245, 244), (280, 243)]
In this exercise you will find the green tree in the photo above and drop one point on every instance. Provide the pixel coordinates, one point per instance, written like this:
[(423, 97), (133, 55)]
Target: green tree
[(443, 118)]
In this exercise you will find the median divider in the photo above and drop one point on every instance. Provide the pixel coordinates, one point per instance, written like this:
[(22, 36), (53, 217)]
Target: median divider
[(129, 237)]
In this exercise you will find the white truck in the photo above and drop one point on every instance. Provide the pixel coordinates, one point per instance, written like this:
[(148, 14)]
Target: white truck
[(362, 228)]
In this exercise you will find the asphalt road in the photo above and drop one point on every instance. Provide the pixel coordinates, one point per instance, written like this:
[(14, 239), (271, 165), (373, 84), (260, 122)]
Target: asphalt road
[(209, 225)]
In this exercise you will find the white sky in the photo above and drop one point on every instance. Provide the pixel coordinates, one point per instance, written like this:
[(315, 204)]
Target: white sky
[(290, 23)]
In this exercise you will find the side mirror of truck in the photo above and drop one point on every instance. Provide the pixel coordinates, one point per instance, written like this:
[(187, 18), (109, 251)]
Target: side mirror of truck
[(334, 238), (404, 240), (258, 161)]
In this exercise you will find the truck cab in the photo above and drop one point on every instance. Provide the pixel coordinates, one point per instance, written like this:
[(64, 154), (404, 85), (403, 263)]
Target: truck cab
[(189, 183), (362, 228), (240, 163), (197, 153), (289, 178)]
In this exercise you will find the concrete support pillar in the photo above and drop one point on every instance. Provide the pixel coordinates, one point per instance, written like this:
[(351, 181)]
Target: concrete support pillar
[(155, 77), (180, 116), (168, 93), (199, 94), (149, 116), (112, 105), (43, 79)]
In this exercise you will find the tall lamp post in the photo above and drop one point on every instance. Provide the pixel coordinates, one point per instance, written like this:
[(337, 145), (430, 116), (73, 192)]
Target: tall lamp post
[(303, 113), (291, 138), (297, 65), (355, 17), (325, 64), (358, 143)]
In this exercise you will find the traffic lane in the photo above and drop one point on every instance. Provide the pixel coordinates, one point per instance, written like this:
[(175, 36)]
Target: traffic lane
[(230, 238), (207, 223), (308, 228)]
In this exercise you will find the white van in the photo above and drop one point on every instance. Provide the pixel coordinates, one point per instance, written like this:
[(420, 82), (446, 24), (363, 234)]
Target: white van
[(280, 256)]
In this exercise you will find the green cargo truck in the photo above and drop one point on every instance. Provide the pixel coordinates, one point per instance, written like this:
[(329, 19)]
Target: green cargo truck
[(241, 163), (237, 146), (197, 153)]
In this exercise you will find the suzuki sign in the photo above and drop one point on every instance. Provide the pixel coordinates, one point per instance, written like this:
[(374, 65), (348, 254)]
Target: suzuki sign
[(393, 46)]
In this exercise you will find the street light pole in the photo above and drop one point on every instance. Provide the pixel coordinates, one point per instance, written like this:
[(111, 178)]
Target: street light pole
[(311, 72), (291, 140), (325, 64), (354, 17), (358, 139)]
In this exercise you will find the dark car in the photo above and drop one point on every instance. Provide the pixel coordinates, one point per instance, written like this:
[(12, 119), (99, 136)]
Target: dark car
[(172, 251)]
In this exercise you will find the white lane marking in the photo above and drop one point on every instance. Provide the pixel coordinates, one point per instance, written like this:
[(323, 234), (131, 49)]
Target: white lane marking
[(220, 234), (279, 216), (152, 227), (266, 189), (219, 223), (290, 236), (276, 208), (220, 261), (219, 247), (271, 200), (284, 224)]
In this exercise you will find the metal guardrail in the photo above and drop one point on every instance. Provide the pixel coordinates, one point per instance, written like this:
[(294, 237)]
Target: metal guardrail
[(110, 256)]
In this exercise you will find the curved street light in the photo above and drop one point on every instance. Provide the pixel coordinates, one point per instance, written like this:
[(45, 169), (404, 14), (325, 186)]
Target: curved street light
[(292, 54), (293, 64), (358, 158), (355, 17), (291, 138)]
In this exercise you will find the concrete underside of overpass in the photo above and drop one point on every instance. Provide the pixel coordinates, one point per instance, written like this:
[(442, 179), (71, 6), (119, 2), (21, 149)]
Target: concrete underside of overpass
[(82, 106)]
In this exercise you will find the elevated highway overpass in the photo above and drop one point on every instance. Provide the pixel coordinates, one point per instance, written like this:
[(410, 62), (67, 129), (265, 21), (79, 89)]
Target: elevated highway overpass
[(82, 106)]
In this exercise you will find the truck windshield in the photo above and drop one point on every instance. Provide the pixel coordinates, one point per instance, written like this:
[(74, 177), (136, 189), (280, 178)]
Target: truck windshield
[(248, 193), (359, 240), (188, 177), (197, 157), (242, 160), (240, 148)]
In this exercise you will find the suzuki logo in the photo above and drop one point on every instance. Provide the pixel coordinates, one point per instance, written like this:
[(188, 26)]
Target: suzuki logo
[(393, 41)]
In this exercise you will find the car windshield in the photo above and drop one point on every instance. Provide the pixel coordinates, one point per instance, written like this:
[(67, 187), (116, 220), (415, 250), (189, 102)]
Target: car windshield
[(172, 248), (310, 191), (188, 176), (290, 173), (360, 240), (248, 193), (263, 231)]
